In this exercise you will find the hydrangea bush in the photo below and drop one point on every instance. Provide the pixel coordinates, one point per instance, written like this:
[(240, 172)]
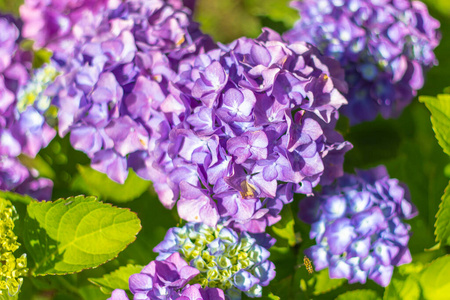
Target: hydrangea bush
[(209, 149)]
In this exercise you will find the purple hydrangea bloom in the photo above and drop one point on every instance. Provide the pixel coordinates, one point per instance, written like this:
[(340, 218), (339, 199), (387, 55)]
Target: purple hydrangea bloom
[(385, 47), (249, 116), (112, 87), (23, 126), (230, 261), (167, 280), (60, 24), (357, 224)]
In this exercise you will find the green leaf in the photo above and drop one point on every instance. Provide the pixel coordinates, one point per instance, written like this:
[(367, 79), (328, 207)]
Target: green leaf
[(91, 292), (14, 197), (322, 282), (285, 227), (404, 283), (359, 294), (435, 279), (67, 236), (99, 184), (442, 5), (443, 219), (117, 279), (440, 118)]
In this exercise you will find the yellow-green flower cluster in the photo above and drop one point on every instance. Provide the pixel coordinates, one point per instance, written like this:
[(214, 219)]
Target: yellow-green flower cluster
[(12, 268), (228, 260)]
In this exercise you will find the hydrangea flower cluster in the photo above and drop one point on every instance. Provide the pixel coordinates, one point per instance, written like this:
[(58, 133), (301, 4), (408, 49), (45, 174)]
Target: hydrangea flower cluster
[(385, 47), (60, 24), (251, 115), (23, 126), (167, 280), (13, 269), (226, 260), (108, 90), (357, 224)]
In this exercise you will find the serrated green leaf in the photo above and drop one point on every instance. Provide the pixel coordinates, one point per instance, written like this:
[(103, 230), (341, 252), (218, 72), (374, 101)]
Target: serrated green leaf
[(117, 279), (67, 236), (443, 219), (435, 281), (100, 185), (322, 283), (440, 118), (359, 294), (14, 197), (285, 227)]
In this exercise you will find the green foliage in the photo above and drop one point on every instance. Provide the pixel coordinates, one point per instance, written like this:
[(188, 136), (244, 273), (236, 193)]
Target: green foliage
[(10, 6), (359, 294), (442, 5), (443, 219), (91, 293), (99, 184), (13, 197), (416, 281), (67, 236), (285, 227), (404, 283), (117, 279), (275, 10), (440, 118), (434, 279), (221, 19), (322, 283)]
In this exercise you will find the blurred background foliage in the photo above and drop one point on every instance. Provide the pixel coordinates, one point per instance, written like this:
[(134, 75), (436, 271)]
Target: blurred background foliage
[(407, 146)]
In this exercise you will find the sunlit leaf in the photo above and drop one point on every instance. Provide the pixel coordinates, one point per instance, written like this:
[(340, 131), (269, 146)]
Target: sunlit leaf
[(440, 118), (435, 281), (69, 235), (404, 283)]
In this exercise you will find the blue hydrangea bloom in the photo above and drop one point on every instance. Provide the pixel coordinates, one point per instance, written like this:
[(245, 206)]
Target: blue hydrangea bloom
[(231, 261), (385, 47), (358, 226)]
